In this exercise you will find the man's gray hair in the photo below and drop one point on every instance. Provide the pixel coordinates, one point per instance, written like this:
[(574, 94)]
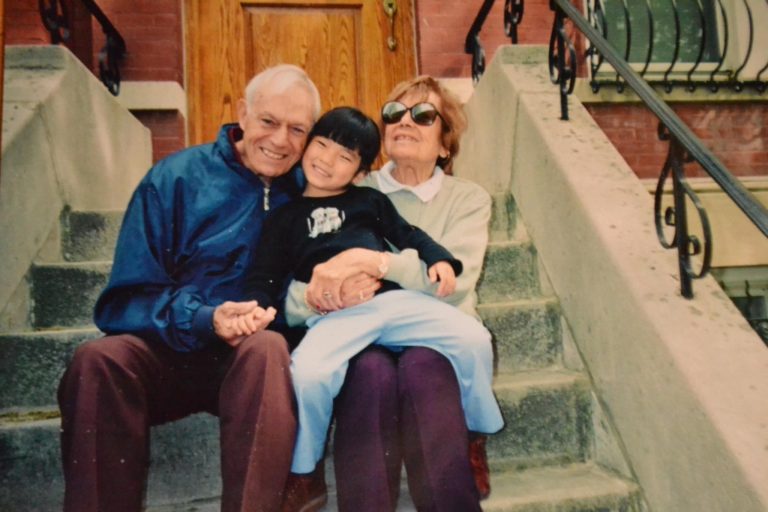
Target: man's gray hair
[(285, 76)]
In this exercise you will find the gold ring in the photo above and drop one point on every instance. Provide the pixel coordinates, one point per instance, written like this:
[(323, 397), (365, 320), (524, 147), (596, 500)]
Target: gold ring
[(327, 295), (362, 296)]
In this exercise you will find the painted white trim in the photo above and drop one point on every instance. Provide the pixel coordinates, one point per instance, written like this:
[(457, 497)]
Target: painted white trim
[(149, 95)]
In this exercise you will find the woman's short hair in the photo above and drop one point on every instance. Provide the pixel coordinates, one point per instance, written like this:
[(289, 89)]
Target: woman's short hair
[(285, 76), (451, 109), (352, 129)]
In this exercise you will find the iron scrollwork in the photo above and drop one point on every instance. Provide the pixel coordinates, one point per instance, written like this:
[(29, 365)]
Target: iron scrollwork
[(676, 216), (113, 51), (53, 14), (562, 65), (55, 18), (513, 16)]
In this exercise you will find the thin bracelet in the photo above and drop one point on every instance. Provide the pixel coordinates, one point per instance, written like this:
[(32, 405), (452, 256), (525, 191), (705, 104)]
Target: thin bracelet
[(383, 265)]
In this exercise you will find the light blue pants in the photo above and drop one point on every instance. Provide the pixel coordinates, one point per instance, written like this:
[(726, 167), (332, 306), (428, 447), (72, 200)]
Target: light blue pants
[(395, 319)]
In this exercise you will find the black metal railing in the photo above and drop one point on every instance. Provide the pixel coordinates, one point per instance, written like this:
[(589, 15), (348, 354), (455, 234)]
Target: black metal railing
[(682, 43), (684, 146), (673, 43), (513, 15), (57, 20)]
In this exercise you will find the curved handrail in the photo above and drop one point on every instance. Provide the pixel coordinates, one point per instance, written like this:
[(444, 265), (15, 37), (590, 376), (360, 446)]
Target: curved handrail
[(702, 45), (56, 20), (649, 53), (513, 15), (737, 84), (676, 51)]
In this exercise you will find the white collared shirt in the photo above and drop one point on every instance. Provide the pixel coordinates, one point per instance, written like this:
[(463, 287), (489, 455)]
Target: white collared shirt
[(425, 191)]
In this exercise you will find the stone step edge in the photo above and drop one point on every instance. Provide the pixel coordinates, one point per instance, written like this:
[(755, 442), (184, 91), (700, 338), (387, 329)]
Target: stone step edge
[(102, 265), (569, 484), (510, 384), (517, 490), (522, 243), (86, 330), (523, 303), (548, 378)]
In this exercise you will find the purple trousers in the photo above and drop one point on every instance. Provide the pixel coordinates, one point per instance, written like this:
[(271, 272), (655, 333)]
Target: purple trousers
[(398, 408), (116, 387)]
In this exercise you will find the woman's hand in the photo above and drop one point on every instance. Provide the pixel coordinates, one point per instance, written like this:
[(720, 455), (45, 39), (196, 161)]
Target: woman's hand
[(324, 291), (442, 272), (358, 289)]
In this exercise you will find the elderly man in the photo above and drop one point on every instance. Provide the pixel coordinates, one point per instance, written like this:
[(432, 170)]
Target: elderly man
[(187, 236)]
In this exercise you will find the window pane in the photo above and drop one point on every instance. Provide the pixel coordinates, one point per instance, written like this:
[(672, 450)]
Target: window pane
[(692, 33)]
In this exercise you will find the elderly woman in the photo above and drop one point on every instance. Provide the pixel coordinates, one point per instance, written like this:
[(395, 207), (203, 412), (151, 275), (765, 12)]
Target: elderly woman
[(405, 406)]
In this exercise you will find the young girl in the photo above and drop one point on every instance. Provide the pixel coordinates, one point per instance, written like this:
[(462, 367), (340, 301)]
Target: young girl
[(333, 215)]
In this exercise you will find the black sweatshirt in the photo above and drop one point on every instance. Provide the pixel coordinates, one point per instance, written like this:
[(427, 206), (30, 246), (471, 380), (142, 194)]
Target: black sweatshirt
[(311, 230)]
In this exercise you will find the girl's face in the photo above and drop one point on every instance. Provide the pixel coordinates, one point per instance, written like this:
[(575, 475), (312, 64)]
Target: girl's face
[(329, 167)]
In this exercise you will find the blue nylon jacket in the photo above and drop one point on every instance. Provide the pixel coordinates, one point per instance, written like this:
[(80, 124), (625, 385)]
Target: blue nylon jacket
[(189, 232)]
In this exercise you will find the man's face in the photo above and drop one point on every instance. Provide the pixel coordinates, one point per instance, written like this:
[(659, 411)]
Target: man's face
[(275, 129)]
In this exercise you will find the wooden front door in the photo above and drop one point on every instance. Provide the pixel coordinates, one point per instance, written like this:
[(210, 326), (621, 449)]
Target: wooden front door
[(342, 44)]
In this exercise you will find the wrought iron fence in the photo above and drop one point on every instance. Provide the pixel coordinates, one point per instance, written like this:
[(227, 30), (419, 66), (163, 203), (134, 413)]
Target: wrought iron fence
[(684, 146), (57, 20), (684, 43), (513, 15)]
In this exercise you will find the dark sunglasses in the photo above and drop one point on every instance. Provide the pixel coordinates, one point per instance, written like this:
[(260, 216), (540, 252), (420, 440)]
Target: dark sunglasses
[(422, 113)]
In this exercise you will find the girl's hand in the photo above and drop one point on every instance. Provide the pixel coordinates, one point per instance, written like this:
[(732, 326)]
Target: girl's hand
[(442, 272)]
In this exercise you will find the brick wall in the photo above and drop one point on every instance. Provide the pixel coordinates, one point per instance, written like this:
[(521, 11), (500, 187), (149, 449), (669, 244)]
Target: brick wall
[(736, 133), (23, 24)]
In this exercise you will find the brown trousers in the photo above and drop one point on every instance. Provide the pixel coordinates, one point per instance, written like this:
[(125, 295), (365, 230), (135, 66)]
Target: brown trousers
[(116, 387)]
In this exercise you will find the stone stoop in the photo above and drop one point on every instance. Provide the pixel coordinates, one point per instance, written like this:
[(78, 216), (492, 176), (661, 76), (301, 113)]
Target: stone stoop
[(541, 461)]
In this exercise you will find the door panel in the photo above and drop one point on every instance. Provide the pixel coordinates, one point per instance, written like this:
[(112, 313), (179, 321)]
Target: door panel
[(341, 43)]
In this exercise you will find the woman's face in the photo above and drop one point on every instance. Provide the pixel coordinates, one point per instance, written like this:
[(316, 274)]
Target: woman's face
[(408, 142)]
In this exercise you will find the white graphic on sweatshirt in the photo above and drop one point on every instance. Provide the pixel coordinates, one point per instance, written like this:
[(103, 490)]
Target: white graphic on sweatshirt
[(324, 220)]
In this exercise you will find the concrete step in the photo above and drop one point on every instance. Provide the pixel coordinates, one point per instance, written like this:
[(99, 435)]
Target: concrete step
[(30, 463), (526, 332), (90, 236), (64, 293), (31, 364), (185, 476), (547, 415), (571, 488), (509, 272), (548, 419)]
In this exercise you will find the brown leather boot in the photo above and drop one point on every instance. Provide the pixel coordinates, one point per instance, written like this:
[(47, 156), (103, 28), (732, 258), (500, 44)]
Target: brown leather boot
[(305, 493), (478, 459)]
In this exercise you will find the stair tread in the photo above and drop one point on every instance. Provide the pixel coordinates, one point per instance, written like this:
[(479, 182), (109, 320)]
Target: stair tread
[(511, 490), (53, 333), (101, 265), (531, 302), (552, 377), (510, 242), (555, 484)]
